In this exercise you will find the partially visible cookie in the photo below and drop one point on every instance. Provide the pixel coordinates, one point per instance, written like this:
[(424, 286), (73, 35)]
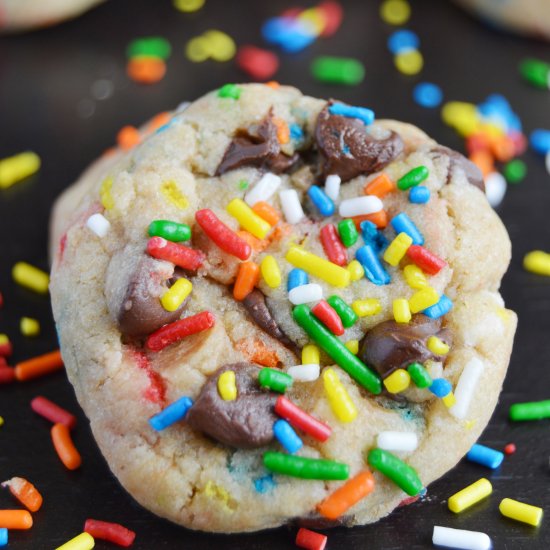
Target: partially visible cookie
[(131, 348)]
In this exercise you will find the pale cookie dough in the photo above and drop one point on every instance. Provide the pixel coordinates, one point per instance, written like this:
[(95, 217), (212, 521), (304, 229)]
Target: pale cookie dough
[(206, 472)]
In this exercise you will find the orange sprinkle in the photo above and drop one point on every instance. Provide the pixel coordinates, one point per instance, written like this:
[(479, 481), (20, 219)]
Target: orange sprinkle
[(283, 131), (128, 137), (267, 212), (380, 186), (258, 352), (109, 152), (25, 492), (484, 161), (146, 70), (39, 366), (273, 84), (159, 120), (247, 278), (64, 447), (503, 148), (15, 519), (347, 495), (256, 244), (279, 232), (380, 219)]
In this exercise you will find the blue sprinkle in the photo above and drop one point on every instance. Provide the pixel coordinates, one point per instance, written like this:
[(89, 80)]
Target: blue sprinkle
[(171, 414), (441, 387), (265, 484), (164, 127), (296, 277), (321, 200), (428, 95), (345, 149), (485, 456), (540, 141), (289, 33), (296, 132), (372, 236), (349, 111), (419, 194), (441, 308), (403, 224), (403, 40), (374, 270), (3, 536), (286, 436)]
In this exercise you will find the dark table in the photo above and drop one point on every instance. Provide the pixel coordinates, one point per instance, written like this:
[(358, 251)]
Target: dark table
[(49, 104)]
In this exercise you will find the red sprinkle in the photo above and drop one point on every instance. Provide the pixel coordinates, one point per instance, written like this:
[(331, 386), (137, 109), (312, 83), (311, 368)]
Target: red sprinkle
[(178, 254), (1, 299), (112, 532), (510, 449), (7, 375), (6, 349), (408, 500), (52, 412), (258, 63), (333, 17), (156, 392), (425, 260), (332, 245), (168, 334), (310, 539), (328, 316), (301, 419), (222, 235)]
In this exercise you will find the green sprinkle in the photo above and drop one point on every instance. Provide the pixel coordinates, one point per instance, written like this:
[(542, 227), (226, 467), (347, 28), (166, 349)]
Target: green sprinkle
[(395, 469), (243, 184), (338, 70), (153, 46), (412, 178), (275, 380), (534, 410), (305, 468), (171, 231), (515, 171), (348, 232), (346, 314), (229, 91), (535, 72), (341, 355), (419, 375)]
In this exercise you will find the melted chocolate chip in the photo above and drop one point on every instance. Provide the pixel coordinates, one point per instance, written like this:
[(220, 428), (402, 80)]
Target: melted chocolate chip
[(347, 149), (256, 146), (246, 422), (319, 522), (456, 160), (390, 346)]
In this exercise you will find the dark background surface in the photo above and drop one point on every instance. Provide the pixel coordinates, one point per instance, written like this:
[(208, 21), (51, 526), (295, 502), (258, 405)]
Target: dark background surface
[(47, 105)]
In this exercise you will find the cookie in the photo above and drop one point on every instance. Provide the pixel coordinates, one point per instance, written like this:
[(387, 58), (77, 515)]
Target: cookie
[(285, 351)]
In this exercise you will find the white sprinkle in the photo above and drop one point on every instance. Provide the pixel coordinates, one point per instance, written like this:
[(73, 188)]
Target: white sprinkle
[(548, 159), (460, 538), (182, 106), (398, 441), (332, 186), (360, 206), (305, 294), (466, 387), (304, 373), (290, 203), (99, 224), (495, 188), (263, 190)]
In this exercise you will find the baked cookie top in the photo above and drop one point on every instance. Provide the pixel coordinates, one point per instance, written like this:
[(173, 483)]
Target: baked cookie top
[(273, 295)]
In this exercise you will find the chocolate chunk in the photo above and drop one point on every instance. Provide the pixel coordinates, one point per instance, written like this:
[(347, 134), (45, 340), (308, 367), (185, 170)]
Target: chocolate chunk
[(246, 422), (348, 149), (456, 160), (390, 346), (319, 522), (256, 307), (256, 146)]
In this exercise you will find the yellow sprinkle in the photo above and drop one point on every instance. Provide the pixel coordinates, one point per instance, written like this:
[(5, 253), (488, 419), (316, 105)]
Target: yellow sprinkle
[(1, 421), (469, 424), (310, 355), (217, 492), (340, 401), (4, 339), (437, 346), (314, 18), (401, 310), (353, 346), (415, 277), (270, 271), (526, 513), (171, 192), (502, 312), (176, 294), (31, 277), (318, 267), (470, 495), (105, 194), (248, 219), (397, 249), (188, 6), (461, 116), (370, 306), (355, 270), (409, 62), (227, 386), (423, 299), (397, 381), (492, 130), (537, 262), (395, 12), (17, 168), (449, 400), (197, 49), (220, 45), (84, 541), (29, 326)]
